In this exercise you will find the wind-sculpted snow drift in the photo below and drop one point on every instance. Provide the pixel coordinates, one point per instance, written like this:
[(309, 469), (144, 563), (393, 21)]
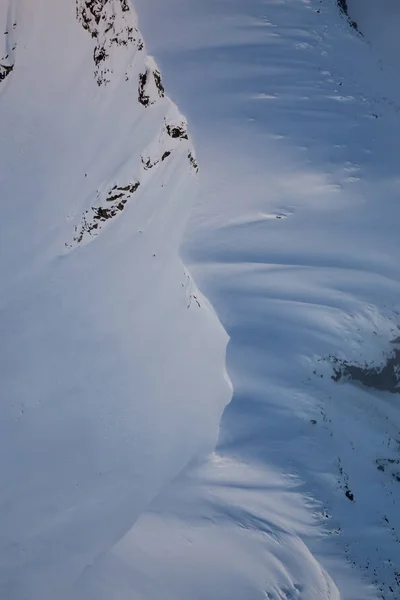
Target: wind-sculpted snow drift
[(112, 362)]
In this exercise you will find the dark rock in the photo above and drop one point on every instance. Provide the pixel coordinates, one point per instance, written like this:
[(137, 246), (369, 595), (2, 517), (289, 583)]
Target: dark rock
[(159, 84), (92, 16), (5, 70), (148, 163), (99, 55), (345, 10), (385, 378), (143, 98), (177, 131), (100, 214), (193, 162)]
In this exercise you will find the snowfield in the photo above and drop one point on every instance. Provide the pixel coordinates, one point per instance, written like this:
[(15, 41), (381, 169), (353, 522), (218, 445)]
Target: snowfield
[(112, 363), (158, 442)]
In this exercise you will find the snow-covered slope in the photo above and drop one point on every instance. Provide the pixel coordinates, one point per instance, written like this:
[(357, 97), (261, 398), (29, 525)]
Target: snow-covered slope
[(112, 363), (294, 239), (379, 21)]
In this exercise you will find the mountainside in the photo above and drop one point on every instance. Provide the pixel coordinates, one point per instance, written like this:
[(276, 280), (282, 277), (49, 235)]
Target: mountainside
[(158, 443), (379, 24), (294, 239), (112, 363)]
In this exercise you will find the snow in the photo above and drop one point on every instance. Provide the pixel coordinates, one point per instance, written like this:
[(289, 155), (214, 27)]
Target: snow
[(378, 22), (292, 118), (113, 375)]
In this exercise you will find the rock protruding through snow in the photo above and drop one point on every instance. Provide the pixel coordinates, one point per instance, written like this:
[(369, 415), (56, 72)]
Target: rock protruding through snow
[(7, 60), (112, 25)]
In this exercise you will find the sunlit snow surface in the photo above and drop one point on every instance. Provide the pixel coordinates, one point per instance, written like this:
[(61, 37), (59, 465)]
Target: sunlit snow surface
[(113, 376)]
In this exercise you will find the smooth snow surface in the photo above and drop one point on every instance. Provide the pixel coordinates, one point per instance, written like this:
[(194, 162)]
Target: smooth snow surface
[(379, 22), (113, 376)]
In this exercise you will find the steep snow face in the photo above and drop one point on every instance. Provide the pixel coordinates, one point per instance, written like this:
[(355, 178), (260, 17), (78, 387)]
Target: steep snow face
[(112, 362)]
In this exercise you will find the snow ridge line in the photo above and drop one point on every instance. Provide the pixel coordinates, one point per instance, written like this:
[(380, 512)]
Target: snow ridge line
[(113, 27)]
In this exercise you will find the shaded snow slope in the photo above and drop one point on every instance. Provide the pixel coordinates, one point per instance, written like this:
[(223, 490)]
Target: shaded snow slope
[(379, 21), (294, 239), (112, 363)]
